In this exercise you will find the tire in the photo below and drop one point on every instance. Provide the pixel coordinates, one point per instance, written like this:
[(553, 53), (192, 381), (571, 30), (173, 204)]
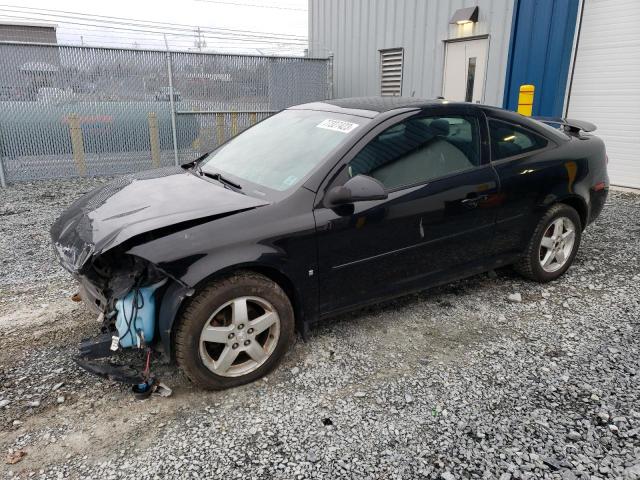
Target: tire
[(544, 242), (216, 344)]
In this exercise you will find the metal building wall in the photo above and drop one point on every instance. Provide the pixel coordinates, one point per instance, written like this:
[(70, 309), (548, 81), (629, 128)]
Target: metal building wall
[(541, 44), (355, 30)]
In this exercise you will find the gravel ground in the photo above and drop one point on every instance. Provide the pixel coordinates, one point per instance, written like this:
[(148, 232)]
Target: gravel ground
[(456, 382)]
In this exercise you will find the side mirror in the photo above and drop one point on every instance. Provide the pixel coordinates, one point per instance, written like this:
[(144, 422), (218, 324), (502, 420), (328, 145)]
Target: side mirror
[(358, 189)]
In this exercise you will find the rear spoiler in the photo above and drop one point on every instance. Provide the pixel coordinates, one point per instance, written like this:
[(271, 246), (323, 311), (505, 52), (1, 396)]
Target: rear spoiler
[(574, 126)]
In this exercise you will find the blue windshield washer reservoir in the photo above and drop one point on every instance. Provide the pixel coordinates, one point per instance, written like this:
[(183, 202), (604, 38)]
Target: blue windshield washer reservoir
[(136, 323)]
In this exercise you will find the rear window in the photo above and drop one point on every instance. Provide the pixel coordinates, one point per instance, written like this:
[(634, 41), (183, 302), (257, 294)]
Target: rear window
[(508, 140)]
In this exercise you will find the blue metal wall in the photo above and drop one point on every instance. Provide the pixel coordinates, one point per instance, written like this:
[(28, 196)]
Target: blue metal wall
[(540, 53)]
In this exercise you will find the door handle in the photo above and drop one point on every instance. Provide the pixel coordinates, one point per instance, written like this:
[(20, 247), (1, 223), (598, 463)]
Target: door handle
[(473, 201)]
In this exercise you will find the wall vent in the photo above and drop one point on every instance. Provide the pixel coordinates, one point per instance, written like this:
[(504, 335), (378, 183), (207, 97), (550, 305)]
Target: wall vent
[(391, 72)]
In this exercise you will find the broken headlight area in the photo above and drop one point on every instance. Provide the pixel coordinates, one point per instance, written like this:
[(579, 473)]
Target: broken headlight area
[(73, 259), (124, 291)]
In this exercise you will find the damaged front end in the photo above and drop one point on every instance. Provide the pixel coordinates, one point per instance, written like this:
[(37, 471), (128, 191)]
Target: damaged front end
[(123, 290), (93, 240)]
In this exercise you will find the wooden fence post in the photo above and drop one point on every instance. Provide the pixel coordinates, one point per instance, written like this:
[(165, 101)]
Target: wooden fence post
[(77, 144), (154, 139), (220, 127), (234, 124)]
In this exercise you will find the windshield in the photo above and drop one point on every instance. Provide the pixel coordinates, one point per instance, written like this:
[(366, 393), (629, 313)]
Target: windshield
[(283, 149)]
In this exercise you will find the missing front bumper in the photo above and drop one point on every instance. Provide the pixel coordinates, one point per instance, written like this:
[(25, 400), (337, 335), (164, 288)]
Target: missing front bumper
[(93, 357), (116, 373)]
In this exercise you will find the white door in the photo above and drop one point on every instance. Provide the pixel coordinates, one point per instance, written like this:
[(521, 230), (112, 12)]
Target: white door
[(606, 83), (464, 71)]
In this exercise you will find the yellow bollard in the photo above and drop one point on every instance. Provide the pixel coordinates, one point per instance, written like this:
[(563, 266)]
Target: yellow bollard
[(77, 144), (154, 139), (220, 127), (234, 124), (525, 100)]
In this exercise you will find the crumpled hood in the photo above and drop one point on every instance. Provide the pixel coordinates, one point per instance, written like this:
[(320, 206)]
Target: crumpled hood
[(136, 204)]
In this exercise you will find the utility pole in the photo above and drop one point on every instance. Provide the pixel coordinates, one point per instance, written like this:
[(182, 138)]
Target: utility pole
[(200, 41)]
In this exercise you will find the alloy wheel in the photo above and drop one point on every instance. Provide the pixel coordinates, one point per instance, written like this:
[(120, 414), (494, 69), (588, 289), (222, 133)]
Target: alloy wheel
[(557, 244), (239, 336)]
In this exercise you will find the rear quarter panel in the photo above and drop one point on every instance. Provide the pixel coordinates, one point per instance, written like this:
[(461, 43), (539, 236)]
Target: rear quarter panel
[(564, 172)]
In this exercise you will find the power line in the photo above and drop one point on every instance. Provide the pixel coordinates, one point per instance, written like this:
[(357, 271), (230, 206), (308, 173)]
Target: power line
[(127, 31), (91, 38), (152, 29), (159, 31), (134, 22), (252, 5)]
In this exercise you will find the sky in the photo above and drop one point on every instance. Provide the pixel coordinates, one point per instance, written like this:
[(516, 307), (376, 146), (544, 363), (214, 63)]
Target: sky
[(79, 22)]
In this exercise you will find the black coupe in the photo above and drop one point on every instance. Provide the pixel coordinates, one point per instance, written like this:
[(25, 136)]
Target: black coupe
[(319, 209)]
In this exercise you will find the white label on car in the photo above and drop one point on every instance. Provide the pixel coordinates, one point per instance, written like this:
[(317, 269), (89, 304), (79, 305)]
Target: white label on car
[(290, 180), (337, 125)]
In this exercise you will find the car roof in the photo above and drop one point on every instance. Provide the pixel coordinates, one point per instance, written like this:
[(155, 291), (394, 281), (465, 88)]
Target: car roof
[(371, 107), (368, 106)]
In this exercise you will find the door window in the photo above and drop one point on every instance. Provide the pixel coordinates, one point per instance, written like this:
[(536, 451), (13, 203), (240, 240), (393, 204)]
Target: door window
[(508, 140), (418, 150), (471, 76)]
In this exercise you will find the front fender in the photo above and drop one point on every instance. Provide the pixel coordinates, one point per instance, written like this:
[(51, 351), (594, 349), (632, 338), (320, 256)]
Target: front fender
[(276, 240), (260, 258), (176, 293), (172, 300)]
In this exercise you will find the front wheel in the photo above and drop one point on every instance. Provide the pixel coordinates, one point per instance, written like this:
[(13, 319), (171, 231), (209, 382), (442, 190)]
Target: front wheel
[(234, 331), (553, 246)]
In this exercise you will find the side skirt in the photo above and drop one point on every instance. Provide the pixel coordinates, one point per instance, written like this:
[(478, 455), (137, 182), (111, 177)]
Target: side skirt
[(430, 282)]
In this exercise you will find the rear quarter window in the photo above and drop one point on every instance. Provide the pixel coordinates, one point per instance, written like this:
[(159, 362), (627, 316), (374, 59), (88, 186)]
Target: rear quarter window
[(509, 140)]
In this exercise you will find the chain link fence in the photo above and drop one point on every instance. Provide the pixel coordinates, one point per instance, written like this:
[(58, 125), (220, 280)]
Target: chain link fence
[(73, 111)]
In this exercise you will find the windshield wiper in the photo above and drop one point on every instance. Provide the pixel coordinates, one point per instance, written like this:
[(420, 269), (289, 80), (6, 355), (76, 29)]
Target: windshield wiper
[(216, 176), (219, 178), (197, 168)]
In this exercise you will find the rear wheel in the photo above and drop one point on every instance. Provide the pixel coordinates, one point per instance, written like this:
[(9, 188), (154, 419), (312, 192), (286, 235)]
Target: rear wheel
[(234, 331), (553, 246)]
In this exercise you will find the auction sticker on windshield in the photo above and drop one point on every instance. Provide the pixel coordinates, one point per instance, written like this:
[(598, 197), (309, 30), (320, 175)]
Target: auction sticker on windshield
[(337, 125)]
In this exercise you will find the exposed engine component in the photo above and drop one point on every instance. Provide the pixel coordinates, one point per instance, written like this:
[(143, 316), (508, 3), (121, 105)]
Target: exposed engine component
[(136, 317)]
